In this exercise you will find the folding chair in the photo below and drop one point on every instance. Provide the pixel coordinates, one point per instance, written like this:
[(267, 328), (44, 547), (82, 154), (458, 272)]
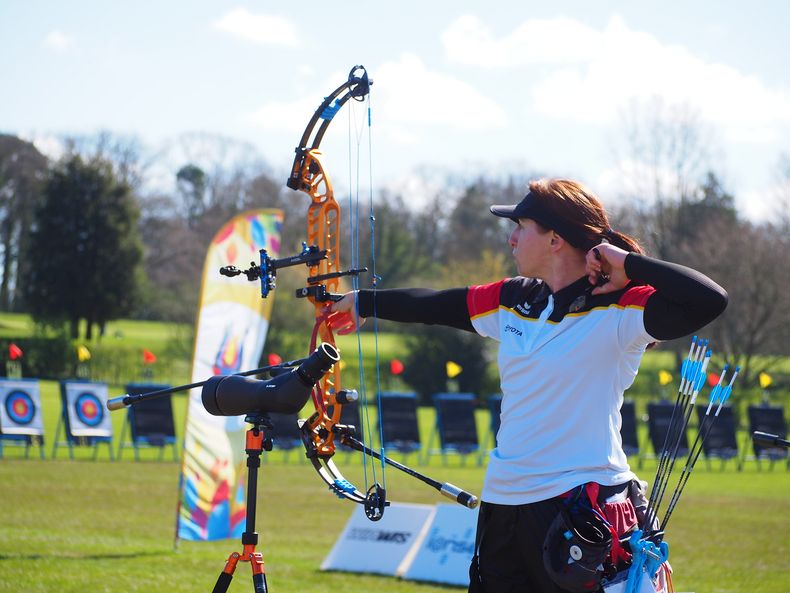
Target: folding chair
[(455, 425), (150, 422), (659, 415), (721, 441), (628, 432), (285, 433), (399, 428), (495, 416), (770, 419)]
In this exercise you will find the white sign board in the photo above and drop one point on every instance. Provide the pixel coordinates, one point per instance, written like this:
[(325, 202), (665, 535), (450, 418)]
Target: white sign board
[(381, 546), (447, 549)]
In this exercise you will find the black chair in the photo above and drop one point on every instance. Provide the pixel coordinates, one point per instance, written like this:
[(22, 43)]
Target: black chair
[(628, 432), (285, 433), (150, 422), (659, 415), (399, 428), (770, 419), (721, 441), (349, 415), (495, 413), (455, 424)]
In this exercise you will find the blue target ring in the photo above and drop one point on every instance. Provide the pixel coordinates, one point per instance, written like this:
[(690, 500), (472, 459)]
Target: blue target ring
[(89, 409), (20, 407)]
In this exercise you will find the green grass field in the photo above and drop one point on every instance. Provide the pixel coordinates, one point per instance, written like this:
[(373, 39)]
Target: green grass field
[(108, 526), (86, 525), (101, 526)]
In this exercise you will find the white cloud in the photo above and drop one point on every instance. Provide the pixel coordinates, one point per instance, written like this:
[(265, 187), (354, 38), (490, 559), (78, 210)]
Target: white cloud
[(287, 116), (49, 145), (587, 74), (58, 41), (537, 41), (408, 93), (262, 29), (407, 96)]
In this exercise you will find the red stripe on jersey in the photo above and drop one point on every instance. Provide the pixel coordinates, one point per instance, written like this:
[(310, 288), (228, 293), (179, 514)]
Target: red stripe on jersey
[(483, 298), (636, 296)]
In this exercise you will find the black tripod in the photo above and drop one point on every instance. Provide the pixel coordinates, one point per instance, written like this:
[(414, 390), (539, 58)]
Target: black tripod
[(256, 442)]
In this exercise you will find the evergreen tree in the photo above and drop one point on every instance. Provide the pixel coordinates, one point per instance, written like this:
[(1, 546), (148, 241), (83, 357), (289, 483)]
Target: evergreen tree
[(85, 252)]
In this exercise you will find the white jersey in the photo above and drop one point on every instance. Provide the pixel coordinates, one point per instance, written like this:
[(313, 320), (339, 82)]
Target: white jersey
[(565, 360)]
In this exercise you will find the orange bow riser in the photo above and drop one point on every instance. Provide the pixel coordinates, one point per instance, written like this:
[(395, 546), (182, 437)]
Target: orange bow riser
[(321, 254)]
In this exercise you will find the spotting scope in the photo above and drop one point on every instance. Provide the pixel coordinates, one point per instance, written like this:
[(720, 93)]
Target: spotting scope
[(287, 393)]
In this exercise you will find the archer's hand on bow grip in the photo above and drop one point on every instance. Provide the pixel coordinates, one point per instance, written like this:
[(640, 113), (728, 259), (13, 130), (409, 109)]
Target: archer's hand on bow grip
[(344, 318)]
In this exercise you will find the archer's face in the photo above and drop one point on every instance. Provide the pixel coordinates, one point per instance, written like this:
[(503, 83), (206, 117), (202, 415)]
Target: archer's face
[(531, 248)]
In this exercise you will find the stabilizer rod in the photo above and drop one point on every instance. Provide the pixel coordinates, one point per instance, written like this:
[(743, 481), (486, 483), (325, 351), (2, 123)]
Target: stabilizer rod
[(449, 490)]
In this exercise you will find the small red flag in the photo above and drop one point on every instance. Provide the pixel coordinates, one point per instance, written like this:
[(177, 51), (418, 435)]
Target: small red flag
[(274, 359), (15, 352), (148, 357), (396, 366), (713, 379)]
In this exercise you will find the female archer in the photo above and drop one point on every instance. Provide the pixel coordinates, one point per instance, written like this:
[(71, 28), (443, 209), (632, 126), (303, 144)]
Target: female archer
[(572, 328)]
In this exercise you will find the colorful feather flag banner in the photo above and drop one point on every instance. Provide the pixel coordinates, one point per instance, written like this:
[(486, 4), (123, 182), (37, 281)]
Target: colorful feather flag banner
[(231, 331)]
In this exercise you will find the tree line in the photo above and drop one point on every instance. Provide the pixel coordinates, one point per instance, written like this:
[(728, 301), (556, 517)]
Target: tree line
[(89, 238)]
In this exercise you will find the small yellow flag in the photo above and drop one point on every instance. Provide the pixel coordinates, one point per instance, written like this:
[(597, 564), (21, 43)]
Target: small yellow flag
[(453, 369), (83, 354), (342, 365), (664, 377), (765, 380)]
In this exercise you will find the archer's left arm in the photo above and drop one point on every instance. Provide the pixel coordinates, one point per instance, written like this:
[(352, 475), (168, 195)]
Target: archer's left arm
[(418, 305)]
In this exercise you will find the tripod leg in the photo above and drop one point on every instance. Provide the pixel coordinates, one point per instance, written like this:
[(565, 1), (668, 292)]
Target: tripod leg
[(258, 575), (259, 583), (225, 577)]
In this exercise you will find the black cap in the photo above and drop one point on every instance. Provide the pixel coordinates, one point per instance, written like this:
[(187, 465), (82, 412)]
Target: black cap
[(530, 207)]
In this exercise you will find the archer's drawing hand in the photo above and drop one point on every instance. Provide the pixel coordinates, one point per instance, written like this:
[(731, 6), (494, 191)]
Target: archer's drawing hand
[(344, 318), (606, 268)]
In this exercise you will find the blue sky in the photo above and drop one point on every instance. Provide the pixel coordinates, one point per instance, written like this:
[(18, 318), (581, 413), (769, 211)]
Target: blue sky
[(458, 86)]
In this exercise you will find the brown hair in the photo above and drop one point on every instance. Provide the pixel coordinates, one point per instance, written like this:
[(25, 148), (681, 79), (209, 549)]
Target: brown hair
[(581, 210)]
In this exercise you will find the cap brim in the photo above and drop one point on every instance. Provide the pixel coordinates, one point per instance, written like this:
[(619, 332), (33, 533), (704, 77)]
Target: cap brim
[(505, 211)]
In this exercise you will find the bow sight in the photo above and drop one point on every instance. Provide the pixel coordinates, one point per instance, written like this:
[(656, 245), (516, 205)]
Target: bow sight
[(310, 256)]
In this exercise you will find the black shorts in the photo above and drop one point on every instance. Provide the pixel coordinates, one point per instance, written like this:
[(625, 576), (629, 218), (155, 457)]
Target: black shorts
[(510, 547)]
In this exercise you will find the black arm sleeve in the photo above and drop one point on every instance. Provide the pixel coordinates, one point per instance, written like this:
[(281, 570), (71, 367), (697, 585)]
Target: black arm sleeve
[(417, 305), (685, 300)]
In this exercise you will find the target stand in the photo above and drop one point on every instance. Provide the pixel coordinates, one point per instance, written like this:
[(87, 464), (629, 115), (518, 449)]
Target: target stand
[(21, 421), (84, 417), (150, 423)]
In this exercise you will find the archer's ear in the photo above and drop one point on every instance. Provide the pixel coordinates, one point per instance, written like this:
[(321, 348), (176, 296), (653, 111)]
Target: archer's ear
[(556, 241)]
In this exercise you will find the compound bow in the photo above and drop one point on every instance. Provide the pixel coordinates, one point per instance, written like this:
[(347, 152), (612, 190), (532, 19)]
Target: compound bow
[(321, 253)]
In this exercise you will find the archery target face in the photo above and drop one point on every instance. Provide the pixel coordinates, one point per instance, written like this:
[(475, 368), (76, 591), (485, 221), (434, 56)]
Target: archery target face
[(20, 408), (87, 409)]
